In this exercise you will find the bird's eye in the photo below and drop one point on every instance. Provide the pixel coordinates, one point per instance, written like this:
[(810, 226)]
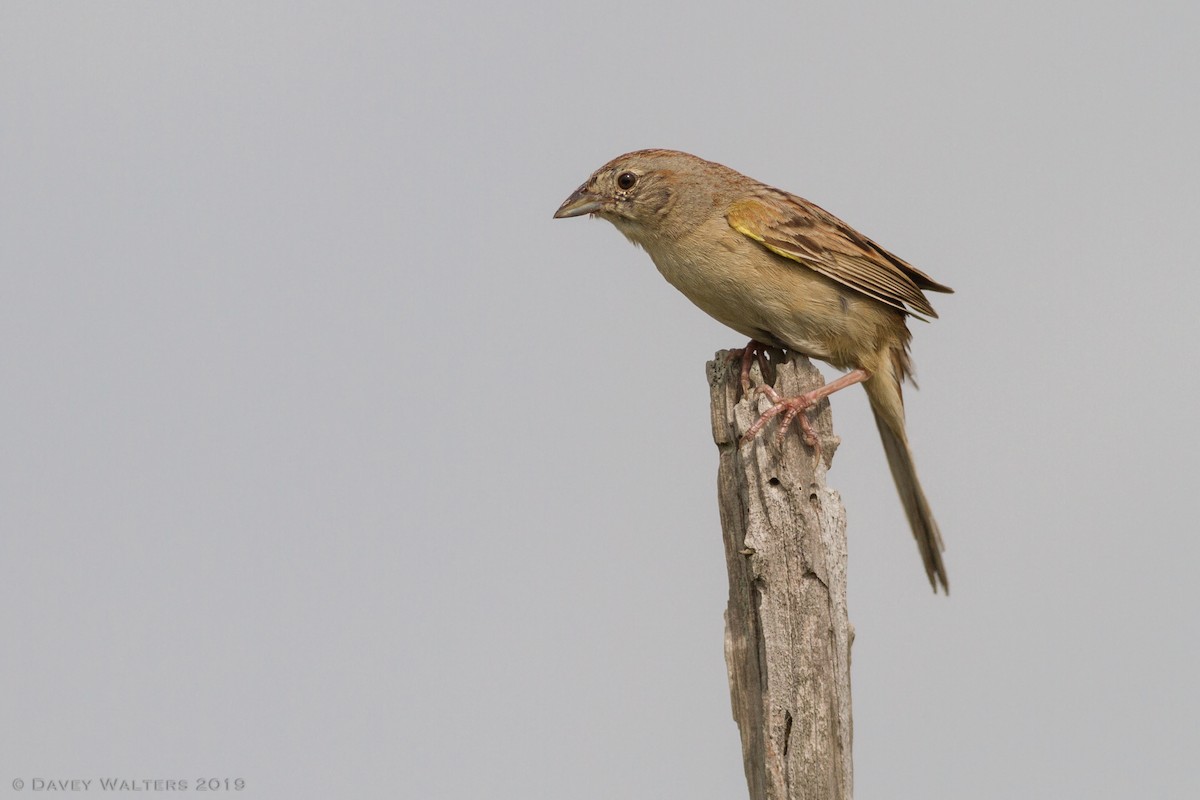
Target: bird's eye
[(626, 180)]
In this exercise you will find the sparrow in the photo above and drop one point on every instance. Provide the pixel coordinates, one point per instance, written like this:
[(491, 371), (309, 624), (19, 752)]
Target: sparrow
[(785, 273)]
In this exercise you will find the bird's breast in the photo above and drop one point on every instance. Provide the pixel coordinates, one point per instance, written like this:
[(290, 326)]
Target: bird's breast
[(739, 284), (749, 289)]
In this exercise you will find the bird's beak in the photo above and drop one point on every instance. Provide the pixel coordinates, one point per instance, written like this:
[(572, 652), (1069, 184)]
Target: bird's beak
[(580, 203)]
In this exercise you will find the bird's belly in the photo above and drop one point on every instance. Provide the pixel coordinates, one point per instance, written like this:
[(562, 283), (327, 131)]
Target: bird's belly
[(789, 307)]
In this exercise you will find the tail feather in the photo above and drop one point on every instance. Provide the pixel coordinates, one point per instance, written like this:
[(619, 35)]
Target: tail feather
[(884, 393)]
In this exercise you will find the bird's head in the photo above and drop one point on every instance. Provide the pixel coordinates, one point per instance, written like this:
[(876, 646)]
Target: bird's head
[(638, 192)]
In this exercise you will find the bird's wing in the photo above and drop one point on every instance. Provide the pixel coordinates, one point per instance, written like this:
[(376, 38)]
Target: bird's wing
[(808, 234)]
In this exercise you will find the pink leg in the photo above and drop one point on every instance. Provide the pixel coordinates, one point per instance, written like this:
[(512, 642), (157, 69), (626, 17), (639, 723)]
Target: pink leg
[(796, 406), (754, 349)]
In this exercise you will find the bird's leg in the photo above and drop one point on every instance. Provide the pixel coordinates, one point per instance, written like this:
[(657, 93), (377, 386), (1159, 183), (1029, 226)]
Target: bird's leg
[(796, 406), (793, 406), (753, 350)]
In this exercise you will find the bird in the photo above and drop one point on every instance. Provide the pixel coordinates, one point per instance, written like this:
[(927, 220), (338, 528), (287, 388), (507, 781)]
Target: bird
[(785, 273)]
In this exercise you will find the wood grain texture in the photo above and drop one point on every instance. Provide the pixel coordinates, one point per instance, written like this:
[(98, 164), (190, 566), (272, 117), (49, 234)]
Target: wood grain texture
[(787, 632)]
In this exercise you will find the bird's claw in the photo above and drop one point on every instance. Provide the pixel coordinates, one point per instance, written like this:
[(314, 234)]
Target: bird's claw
[(753, 351), (793, 409)]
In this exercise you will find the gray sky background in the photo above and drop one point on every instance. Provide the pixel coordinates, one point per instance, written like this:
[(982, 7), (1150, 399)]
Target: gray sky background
[(313, 467)]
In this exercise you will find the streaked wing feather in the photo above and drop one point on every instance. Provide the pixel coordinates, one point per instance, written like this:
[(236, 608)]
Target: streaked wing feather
[(807, 234)]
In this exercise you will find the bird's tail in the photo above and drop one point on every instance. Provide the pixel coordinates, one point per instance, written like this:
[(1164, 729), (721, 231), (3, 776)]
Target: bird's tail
[(883, 390)]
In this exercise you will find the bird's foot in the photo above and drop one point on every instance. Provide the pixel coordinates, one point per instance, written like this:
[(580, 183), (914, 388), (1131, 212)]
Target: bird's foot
[(796, 408), (753, 351), (793, 409)]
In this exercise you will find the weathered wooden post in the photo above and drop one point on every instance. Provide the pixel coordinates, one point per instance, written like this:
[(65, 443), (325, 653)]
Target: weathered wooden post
[(787, 632)]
